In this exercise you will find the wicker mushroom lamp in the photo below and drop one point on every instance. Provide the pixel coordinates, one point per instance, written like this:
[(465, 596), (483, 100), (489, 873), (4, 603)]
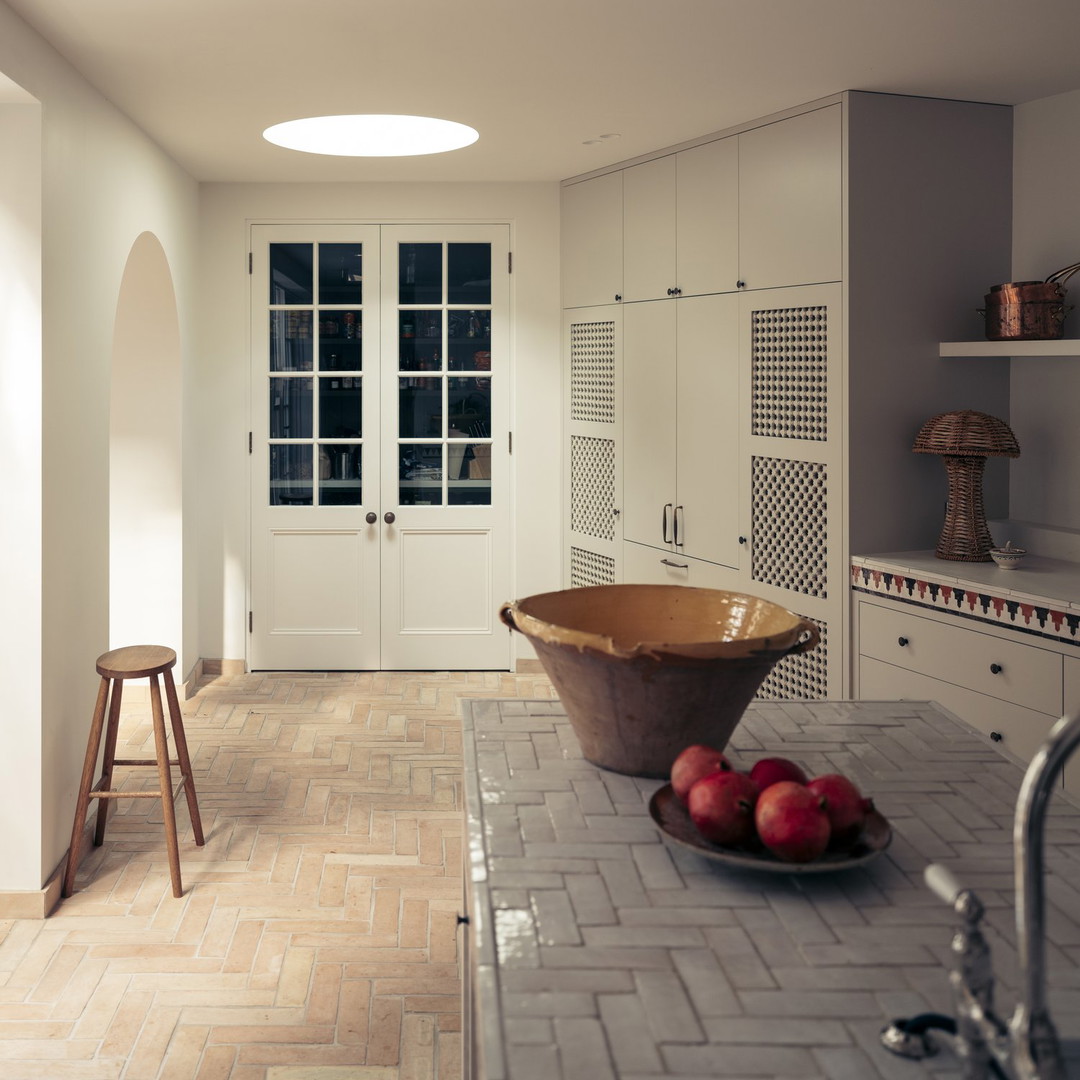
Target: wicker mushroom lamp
[(964, 440)]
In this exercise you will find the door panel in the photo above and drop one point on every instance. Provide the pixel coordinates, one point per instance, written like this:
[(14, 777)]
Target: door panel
[(380, 481), (445, 464)]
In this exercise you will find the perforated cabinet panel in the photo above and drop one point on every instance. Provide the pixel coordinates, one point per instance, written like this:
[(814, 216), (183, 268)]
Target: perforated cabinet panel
[(592, 371), (789, 372), (592, 487), (790, 516), (590, 568), (802, 676)]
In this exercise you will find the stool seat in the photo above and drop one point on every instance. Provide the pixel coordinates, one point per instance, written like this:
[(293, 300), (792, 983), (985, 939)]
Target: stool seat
[(134, 662)]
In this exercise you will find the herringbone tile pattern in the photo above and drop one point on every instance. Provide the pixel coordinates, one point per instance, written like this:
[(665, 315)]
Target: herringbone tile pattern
[(316, 938)]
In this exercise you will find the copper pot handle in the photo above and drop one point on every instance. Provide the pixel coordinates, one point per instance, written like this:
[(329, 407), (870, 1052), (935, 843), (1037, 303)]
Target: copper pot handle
[(805, 644), (506, 614)]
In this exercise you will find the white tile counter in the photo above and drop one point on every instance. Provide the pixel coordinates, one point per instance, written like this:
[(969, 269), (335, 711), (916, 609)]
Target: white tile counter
[(599, 951)]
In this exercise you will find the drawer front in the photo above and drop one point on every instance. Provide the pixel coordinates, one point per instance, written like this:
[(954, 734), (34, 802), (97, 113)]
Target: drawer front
[(1021, 730), (1023, 674), (644, 565)]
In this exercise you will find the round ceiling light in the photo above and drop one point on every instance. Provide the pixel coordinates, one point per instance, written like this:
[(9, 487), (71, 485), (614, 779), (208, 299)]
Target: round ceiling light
[(371, 135)]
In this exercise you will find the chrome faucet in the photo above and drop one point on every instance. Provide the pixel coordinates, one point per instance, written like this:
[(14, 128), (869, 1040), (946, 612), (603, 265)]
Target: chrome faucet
[(1027, 1048)]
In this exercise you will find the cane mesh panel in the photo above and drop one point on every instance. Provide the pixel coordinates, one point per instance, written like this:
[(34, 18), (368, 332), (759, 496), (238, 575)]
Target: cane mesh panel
[(789, 366), (592, 487), (588, 568), (801, 677), (592, 372), (790, 525)]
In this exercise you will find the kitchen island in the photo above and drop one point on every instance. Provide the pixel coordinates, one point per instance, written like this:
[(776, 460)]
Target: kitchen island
[(597, 949)]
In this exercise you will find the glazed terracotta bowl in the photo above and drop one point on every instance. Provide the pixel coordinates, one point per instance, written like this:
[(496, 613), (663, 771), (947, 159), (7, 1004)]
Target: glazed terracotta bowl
[(643, 671)]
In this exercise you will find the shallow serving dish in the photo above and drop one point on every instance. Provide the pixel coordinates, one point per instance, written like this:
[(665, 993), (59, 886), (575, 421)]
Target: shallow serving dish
[(675, 823)]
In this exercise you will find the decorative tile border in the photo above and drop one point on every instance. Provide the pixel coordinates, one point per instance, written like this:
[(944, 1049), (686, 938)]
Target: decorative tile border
[(1060, 622)]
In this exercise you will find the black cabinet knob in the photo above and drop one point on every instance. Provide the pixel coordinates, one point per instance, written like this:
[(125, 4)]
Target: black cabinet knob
[(371, 517), (388, 517), (463, 920), (618, 297), (901, 641), (996, 669), (740, 284), (742, 539), (995, 736)]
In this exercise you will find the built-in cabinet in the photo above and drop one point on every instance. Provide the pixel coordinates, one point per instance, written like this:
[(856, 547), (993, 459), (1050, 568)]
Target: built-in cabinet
[(765, 390), (1010, 685)]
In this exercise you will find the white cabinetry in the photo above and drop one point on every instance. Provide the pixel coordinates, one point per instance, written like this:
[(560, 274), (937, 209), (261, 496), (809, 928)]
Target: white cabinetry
[(790, 201), (681, 412), (592, 243), (771, 387)]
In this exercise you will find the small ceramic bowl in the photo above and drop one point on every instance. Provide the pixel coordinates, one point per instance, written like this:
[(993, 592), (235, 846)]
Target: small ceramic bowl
[(1009, 557)]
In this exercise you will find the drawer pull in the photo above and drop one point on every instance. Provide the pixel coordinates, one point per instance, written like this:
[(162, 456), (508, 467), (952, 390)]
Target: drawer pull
[(901, 641), (677, 565), (995, 736), (996, 669)]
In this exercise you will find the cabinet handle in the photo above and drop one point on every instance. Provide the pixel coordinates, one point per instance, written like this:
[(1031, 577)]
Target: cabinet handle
[(996, 669), (677, 565), (740, 284), (615, 512), (372, 517), (663, 523), (675, 525), (742, 539), (388, 517), (995, 736), (618, 297), (901, 641), (463, 920)]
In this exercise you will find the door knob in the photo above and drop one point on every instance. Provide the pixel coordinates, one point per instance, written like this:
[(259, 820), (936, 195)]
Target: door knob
[(372, 517), (388, 517)]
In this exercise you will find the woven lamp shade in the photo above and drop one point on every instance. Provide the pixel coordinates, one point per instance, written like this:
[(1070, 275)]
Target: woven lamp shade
[(964, 440)]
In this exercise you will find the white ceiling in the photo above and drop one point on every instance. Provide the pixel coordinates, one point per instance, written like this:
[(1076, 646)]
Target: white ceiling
[(536, 77)]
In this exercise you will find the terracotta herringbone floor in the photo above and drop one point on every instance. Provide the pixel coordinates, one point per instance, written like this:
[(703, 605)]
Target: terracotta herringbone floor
[(316, 938)]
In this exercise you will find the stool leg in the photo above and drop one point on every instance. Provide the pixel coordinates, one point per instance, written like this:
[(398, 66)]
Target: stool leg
[(107, 760), (177, 721), (165, 774), (87, 781)]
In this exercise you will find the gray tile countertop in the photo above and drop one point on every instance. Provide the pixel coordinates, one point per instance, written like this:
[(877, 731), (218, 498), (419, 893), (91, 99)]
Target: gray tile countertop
[(600, 950)]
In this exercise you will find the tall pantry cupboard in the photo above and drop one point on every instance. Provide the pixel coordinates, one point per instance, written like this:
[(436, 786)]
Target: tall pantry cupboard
[(750, 339)]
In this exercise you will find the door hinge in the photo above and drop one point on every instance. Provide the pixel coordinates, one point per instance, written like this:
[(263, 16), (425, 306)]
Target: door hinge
[(509, 262), (251, 261), (510, 441), (251, 622), (250, 444)]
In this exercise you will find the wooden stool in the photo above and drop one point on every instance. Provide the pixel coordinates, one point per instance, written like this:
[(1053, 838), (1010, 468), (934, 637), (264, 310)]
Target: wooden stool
[(135, 662)]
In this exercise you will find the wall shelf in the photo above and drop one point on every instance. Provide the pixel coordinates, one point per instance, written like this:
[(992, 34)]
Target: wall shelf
[(1057, 347)]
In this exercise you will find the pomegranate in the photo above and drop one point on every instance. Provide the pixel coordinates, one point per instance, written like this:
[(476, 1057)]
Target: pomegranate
[(692, 764), (722, 807), (772, 770), (791, 821), (844, 805)]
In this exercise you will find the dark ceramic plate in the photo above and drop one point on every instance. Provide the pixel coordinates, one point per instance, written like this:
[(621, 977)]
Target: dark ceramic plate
[(675, 823)]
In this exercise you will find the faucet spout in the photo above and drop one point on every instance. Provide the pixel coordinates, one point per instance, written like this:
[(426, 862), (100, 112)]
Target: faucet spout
[(1035, 1048)]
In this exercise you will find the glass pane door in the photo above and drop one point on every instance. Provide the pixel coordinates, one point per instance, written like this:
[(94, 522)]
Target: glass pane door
[(444, 374), (316, 376)]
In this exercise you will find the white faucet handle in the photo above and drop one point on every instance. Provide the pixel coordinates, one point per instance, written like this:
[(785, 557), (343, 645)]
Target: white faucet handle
[(942, 882)]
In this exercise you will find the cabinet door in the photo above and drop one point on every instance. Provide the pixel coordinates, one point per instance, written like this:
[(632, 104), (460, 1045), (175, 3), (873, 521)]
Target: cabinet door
[(707, 206), (790, 201), (649, 417), (592, 243), (649, 230), (707, 428)]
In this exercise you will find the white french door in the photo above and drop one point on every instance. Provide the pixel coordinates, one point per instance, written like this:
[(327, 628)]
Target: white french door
[(380, 473)]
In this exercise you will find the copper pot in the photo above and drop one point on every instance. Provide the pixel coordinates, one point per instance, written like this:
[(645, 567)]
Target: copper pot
[(1028, 310)]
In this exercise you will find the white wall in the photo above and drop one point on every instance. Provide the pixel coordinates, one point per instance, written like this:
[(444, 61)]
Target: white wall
[(103, 183), (220, 393), (1045, 394)]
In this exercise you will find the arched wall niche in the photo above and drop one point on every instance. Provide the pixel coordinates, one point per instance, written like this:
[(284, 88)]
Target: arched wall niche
[(145, 465)]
